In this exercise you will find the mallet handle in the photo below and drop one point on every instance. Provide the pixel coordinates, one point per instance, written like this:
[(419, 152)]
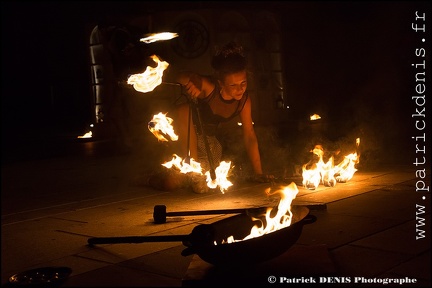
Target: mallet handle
[(208, 212), (160, 214), (136, 239)]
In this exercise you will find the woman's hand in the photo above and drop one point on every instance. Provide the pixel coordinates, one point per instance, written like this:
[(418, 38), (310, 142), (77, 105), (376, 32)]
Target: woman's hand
[(192, 83), (191, 89)]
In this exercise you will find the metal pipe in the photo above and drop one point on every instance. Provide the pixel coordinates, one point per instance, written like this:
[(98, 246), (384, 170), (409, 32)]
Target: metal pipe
[(194, 104)]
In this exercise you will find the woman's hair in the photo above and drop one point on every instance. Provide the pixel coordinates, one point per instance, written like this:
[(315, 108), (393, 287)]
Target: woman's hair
[(229, 59)]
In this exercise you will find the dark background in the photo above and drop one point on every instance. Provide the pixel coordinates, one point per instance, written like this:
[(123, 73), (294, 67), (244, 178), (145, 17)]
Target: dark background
[(351, 61)]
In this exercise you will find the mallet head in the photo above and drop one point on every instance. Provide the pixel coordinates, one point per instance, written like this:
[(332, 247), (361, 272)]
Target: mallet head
[(159, 214)]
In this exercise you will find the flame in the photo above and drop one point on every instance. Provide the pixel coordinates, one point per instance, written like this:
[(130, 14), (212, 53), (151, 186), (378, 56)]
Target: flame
[(221, 171), (346, 169), (159, 125), (315, 117), (150, 78), (184, 167), (86, 135), (313, 175), (221, 177), (153, 37), (327, 173), (279, 221)]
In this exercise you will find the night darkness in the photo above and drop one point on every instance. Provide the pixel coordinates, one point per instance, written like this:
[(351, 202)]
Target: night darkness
[(350, 60)]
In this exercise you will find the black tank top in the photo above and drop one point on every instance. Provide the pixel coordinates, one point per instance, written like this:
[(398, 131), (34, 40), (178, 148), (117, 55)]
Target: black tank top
[(215, 110)]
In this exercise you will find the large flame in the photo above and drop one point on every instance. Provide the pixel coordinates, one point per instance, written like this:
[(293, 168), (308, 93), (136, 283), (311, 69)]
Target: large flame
[(221, 177), (221, 171), (280, 220), (327, 173), (345, 170), (183, 166), (318, 172), (161, 125), (150, 78)]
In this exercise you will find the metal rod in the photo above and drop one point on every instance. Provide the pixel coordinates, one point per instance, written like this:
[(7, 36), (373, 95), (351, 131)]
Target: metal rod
[(207, 147), (136, 239), (209, 212), (188, 136)]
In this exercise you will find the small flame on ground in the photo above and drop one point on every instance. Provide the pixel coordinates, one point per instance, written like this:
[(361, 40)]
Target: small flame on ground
[(86, 135), (150, 78), (161, 125), (315, 117), (281, 220)]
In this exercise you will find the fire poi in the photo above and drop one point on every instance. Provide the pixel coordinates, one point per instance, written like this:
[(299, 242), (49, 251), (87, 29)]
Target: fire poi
[(150, 78), (153, 37)]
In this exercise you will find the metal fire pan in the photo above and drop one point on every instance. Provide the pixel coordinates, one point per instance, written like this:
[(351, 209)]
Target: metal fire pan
[(202, 239), (246, 252)]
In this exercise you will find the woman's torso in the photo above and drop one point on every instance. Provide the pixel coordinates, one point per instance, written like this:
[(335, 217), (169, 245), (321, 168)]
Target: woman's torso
[(214, 109)]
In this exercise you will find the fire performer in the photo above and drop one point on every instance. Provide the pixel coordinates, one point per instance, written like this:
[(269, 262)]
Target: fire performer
[(212, 101)]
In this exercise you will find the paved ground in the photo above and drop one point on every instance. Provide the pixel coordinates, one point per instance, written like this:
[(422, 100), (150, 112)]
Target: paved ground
[(375, 227)]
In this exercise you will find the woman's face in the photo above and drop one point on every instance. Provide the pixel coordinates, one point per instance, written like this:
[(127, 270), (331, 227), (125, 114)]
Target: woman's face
[(234, 85)]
